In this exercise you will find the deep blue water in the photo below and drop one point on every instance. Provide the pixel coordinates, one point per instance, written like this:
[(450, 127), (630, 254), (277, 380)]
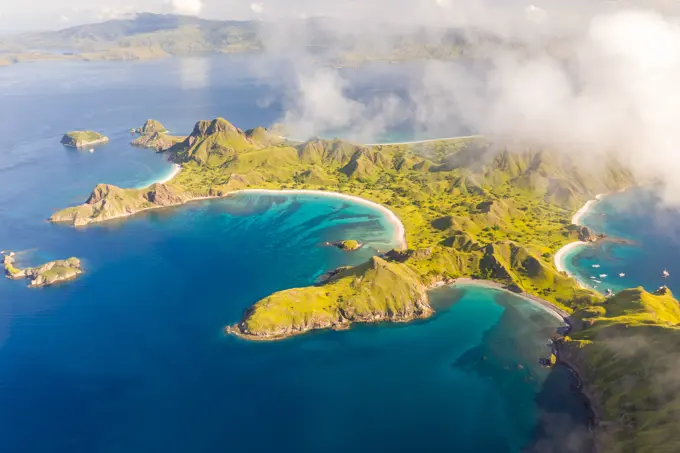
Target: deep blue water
[(652, 232), (132, 356)]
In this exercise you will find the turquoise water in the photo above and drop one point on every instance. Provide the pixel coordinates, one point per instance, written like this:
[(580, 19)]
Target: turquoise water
[(651, 231), (132, 356)]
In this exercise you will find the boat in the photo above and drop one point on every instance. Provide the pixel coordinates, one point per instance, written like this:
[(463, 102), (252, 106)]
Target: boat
[(603, 275), (622, 274), (91, 150), (665, 273), (608, 293), (592, 278), (597, 281), (596, 265)]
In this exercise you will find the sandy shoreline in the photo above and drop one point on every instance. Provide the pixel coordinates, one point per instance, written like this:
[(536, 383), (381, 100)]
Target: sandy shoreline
[(542, 303), (175, 171), (563, 253), (400, 231)]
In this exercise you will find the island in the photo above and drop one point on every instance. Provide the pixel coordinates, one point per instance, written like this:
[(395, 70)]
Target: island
[(348, 245), (471, 208), (80, 139), (155, 136), (45, 274)]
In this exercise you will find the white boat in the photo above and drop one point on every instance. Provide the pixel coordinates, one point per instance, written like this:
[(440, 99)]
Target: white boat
[(597, 281), (665, 274), (596, 265), (592, 278), (622, 274), (91, 150), (603, 275)]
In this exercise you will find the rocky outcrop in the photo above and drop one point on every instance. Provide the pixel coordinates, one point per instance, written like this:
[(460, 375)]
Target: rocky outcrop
[(151, 127), (348, 245), (154, 136), (45, 274), (108, 202), (80, 139), (157, 141)]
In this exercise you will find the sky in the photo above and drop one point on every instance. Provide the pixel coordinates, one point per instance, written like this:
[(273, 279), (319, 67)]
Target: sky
[(48, 14)]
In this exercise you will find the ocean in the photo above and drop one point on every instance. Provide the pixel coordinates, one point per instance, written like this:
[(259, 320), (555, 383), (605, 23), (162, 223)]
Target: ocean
[(643, 241), (132, 356)]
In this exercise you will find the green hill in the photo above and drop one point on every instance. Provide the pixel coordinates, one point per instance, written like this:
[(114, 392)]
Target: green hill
[(465, 203), (471, 208), (625, 350)]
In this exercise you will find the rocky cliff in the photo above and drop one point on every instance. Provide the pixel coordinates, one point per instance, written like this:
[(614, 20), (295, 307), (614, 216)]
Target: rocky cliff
[(108, 202)]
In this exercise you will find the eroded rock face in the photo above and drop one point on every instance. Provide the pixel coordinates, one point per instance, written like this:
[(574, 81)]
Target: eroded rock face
[(162, 195)]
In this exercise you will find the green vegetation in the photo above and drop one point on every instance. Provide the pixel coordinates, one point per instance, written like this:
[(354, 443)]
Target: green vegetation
[(470, 207), (349, 245), (374, 291), (45, 274), (625, 350), (79, 139)]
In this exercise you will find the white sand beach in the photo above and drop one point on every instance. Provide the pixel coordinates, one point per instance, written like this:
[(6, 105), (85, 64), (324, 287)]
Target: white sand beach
[(400, 232), (563, 253)]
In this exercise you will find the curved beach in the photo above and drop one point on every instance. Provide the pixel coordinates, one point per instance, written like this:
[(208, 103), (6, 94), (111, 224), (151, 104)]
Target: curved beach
[(400, 232), (167, 178), (563, 254)]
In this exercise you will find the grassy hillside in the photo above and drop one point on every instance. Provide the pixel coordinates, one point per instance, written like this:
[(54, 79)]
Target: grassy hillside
[(625, 349), (470, 207), (377, 290)]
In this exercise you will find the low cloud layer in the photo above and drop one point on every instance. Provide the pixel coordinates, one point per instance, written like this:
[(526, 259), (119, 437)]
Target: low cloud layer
[(601, 85)]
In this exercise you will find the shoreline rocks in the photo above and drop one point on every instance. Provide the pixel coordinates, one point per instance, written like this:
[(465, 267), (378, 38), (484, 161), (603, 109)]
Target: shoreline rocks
[(46, 274)]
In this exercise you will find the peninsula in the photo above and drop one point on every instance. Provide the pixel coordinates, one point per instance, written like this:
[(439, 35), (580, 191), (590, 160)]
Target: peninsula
[(45, 274), (80, 139), (470, 207)]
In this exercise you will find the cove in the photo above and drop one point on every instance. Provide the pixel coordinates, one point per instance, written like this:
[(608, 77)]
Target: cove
[(132, 356)]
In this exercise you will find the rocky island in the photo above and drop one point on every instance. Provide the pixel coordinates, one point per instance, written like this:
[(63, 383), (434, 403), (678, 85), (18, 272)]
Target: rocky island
[(45, 274), (80, 139), (470, 208), (348, 245), (155, 136)]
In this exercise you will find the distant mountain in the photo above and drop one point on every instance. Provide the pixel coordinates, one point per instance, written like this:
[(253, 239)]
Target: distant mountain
[(146, 34)]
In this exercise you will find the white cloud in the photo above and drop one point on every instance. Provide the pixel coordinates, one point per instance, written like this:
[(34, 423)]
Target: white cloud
[(257, 8), (188, 7)]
